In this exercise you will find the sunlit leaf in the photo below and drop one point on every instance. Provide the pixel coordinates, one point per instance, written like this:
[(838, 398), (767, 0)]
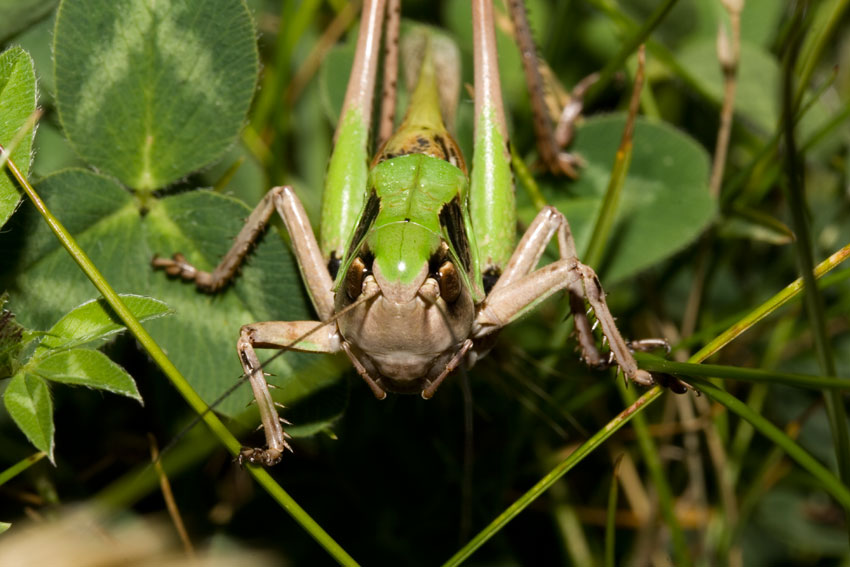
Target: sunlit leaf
[(17, 103), (85, 367), (95, 320), (27, 399)]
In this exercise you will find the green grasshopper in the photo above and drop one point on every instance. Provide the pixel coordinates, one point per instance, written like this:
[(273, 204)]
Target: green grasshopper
[(415, 269)]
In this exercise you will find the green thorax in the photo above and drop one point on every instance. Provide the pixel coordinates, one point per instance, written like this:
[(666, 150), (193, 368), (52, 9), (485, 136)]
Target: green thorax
[(412, 190)]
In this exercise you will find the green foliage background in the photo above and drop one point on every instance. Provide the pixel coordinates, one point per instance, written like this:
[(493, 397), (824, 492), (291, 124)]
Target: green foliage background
[(164, 122)]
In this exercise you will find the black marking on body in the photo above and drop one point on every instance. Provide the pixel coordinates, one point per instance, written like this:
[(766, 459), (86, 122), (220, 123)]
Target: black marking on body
[(247, 362), (333, 265), (437, 258), (442, 143), (367, 219), (490, 277), (451, 218)]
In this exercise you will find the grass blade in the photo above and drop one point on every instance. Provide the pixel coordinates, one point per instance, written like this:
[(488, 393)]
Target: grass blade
[(830, 482), (608, 211), (666, 501), (611, 518), (644, 401), (20, 467), (812, 298), (549, 479), (628, 47), (656, 364)]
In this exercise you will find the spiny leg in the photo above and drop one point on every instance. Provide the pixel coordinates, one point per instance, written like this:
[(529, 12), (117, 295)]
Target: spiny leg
[(584, 335), (386, 123), (312, 264), (555, 160), (226, 269), (313, 336), (304, 336), (591, 289), (307, 336), (275, 440), (550, 142), (520, 289)]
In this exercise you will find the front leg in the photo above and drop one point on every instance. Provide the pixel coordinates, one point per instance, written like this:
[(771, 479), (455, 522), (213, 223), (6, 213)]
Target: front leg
[(309, 336), (519, 289)]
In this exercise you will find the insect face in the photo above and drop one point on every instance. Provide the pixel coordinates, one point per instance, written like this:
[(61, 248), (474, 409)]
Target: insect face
[(418, 320)]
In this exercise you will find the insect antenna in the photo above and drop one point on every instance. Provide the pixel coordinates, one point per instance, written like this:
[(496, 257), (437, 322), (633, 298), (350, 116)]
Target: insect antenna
[(244, 377), (468, 436), (468, 456)]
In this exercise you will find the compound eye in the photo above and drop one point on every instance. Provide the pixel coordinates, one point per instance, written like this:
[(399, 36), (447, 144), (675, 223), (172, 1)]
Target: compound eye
[(449, 281), (354, 278)]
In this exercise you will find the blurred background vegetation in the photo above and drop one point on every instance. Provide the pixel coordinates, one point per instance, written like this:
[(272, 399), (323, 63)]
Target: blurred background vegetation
[(386, 479)]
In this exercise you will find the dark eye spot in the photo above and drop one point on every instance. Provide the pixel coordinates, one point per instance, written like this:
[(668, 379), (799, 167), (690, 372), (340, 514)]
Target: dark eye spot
[(449, 282), (354, 278)]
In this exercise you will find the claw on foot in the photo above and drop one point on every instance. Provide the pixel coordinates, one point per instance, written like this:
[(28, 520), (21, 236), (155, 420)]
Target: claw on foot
[(177, 265), (265, 457), (645, 378), (647, 345)]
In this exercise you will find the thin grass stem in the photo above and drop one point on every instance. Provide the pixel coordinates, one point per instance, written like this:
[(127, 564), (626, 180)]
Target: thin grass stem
[(828, 480), (641, 404), (20, 467), (608, 212), (627, 48), (812, 298), (611, 516), (664, 493)]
